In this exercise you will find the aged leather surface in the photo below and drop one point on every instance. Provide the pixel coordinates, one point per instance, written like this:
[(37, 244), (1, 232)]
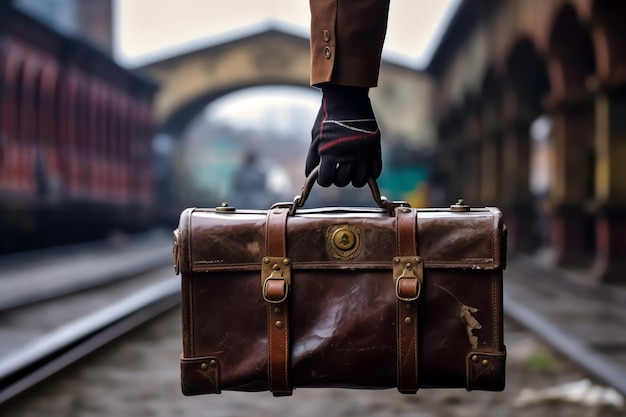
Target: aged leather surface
[(278, 317), (343, 313)]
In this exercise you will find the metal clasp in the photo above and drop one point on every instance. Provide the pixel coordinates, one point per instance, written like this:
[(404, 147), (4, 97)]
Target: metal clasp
[(408, 268), (225, 208), (459, 206), (275, 269)]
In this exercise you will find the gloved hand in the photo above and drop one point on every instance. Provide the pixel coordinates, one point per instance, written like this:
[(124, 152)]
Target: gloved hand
[(345, 138)]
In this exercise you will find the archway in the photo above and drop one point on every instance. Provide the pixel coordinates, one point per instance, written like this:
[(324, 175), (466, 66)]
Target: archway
[(608, 86), (572, 64), (248, 147), (609, 36)]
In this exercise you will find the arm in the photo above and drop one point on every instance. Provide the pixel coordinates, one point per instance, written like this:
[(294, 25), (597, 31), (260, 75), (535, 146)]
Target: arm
[(347, 40), (346, 44)]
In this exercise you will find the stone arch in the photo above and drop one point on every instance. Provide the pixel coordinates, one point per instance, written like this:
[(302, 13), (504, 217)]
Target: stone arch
[(273, 56), (176, 122), (527, 78), (571, 48), (609, 35), (572, 67)]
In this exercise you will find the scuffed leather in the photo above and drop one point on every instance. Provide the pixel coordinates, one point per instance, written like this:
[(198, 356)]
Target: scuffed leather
[(226, 241), (485, 371), (343, 313), (200, 376)]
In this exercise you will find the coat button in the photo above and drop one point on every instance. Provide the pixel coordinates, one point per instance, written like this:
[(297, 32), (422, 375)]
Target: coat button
[(326, 35), (327, 52)]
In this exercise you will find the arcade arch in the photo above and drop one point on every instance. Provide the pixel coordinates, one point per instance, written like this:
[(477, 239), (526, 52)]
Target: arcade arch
[(562, 60)]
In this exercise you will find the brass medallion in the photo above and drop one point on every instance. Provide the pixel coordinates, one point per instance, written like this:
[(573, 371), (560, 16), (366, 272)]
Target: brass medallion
[(343, 241)]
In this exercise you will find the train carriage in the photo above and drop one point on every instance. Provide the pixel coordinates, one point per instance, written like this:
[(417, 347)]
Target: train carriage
[(75, 139)]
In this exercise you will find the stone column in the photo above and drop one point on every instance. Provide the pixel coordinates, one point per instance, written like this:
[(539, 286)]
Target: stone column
[(517, 204), (610, 136), (572, 183), (491, 153)]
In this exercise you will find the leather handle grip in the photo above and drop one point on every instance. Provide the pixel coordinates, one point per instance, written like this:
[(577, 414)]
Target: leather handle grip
[(381, 201)]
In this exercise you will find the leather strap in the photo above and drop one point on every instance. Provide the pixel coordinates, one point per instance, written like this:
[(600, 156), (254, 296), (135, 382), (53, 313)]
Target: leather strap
[(408, 288), (276, 278)]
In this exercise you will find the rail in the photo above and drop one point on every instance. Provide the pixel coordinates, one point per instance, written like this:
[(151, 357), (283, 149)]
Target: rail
[(56, 350)]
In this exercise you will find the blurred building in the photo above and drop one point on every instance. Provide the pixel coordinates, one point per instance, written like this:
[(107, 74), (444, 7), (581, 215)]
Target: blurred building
[(506, 68), (271, 54), (86, 19), (75, 127)]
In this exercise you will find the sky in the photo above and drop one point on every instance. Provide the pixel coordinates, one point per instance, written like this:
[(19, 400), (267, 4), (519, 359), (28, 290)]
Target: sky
[(147, 30)]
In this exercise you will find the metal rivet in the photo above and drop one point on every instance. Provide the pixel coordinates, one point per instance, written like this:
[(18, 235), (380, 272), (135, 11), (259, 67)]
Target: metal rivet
[(213, 363), (204, 366), (418, 260), (396, 260), (485, 362), (266, 260), (277, 310), (275, 267), (408, 320), (475, 358), (327, 52), (279, 324), (408, 266), (285, 261), (326, 35)]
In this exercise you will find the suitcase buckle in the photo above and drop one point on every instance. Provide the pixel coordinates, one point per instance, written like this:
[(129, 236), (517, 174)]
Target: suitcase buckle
[(408, 272), (276, 279)]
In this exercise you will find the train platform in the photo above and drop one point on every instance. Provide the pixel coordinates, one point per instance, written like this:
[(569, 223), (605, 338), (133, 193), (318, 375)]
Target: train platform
[(48, 273), (559, 330)]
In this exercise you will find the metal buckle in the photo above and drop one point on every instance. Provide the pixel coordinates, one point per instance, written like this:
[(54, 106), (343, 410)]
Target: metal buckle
[(275, 269), (408, 267)]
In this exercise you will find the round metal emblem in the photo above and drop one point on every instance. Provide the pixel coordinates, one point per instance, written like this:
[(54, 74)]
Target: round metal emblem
[(343, 241)]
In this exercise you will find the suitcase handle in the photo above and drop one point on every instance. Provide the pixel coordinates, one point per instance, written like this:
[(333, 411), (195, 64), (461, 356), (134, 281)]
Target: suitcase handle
[(382, 201)]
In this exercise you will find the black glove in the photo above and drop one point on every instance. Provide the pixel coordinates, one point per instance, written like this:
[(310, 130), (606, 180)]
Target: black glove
[(345, 138)]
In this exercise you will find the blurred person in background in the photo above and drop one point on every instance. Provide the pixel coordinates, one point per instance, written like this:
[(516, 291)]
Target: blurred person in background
[(249, 189), (346, 45)]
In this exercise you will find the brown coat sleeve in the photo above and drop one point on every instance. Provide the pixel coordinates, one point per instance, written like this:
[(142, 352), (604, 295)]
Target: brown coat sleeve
[(347, 40)]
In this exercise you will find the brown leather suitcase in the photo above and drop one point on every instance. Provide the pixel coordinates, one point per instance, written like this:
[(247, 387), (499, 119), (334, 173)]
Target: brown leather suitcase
[(341, 297)]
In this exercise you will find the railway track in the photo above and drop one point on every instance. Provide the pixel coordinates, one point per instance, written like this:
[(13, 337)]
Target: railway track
[(91, 296), (584, 323)]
